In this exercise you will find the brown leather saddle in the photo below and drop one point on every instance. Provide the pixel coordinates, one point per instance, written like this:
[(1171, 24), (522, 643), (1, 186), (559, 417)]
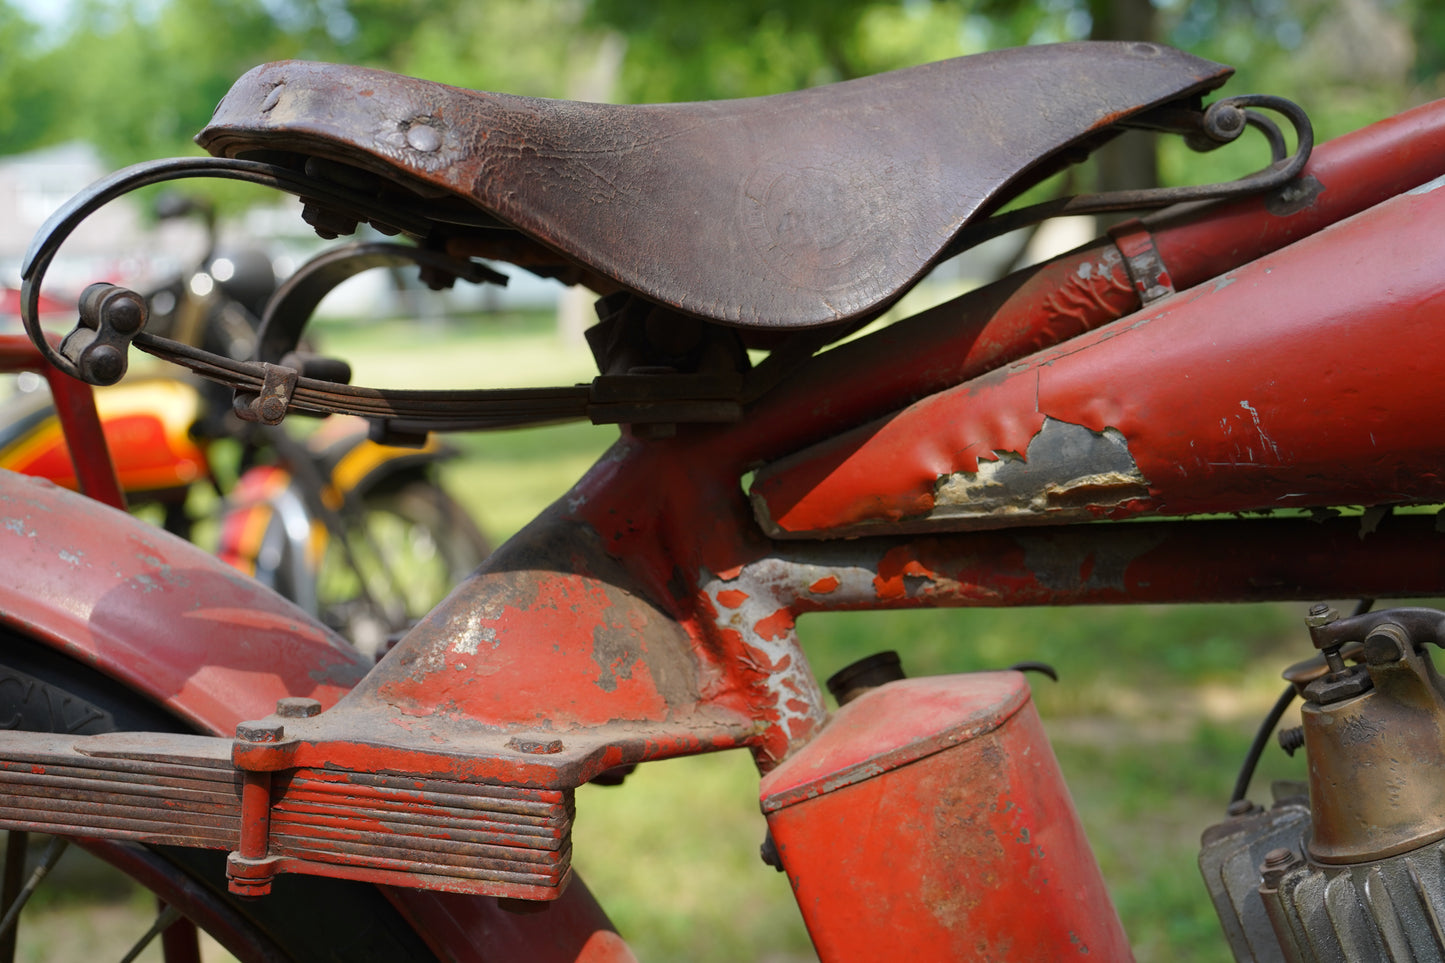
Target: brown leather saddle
[(793, 210)]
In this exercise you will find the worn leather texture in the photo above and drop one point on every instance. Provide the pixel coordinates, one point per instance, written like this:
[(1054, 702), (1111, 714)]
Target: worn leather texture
[(792, 210)]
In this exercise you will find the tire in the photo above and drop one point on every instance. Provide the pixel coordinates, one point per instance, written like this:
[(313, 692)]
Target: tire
[(411, 542), (304, 919)]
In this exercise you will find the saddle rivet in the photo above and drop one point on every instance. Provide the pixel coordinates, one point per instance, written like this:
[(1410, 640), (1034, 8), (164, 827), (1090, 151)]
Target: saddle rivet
[(423, 137), (272, 99)]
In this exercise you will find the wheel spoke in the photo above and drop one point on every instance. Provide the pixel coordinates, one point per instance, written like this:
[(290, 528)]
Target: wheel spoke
[(166, 917), (48, 860), (17, 844), (181, 941)]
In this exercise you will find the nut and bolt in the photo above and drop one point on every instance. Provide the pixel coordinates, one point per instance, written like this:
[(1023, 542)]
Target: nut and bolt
[(1276, 863), (1339, 686), (769, 852), (1292, 739), (297, 707), (328, 224), (1242, 807), (262, 732)]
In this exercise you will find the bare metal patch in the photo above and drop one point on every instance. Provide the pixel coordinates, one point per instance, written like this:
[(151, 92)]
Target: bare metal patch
[(1068, 472)]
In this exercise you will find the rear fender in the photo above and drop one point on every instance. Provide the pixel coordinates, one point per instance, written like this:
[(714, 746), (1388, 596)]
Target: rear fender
[(174, 624)]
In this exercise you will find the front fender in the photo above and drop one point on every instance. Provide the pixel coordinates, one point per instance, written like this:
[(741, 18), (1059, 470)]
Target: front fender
[(156, 613)]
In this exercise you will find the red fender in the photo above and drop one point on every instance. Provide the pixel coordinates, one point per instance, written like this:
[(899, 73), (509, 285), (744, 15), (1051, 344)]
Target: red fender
[(214, 647), (157, 613)]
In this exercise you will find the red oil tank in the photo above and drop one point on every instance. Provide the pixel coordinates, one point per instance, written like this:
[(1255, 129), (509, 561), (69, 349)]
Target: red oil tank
[(929, 821)]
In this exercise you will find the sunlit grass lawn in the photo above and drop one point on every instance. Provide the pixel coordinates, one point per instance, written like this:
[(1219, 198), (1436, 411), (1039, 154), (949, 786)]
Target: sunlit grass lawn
[(1153, 713)]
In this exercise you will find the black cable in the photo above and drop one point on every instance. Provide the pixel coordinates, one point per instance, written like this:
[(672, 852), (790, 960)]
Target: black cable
[(1261, 739)]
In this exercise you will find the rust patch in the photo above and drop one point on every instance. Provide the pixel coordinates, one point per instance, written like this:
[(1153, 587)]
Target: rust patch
[(1068, 472)]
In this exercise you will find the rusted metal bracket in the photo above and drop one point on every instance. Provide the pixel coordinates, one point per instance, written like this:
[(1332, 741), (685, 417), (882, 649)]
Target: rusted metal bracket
[(110, 316), (1142, 261), (269, 405), (662, 398), (481, 837)]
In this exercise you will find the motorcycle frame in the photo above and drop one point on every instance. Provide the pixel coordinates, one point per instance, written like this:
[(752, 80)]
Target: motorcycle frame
[(649, 614)]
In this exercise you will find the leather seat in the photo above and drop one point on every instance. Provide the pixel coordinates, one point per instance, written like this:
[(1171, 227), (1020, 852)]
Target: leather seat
[(792, 210)]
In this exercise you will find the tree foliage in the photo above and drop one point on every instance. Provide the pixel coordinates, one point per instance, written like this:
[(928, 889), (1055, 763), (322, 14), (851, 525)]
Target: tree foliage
[(139, 77)]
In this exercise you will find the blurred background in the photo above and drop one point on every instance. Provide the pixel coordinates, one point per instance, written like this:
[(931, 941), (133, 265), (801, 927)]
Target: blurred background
[(1155, 706)]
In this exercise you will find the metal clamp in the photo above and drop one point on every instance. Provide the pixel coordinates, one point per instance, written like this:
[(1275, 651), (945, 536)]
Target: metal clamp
[(1142, 262), (269, 406)]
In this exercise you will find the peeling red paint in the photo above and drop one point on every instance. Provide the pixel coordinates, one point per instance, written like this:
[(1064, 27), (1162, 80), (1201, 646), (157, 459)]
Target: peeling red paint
[(732, 598), (824, 585), (893, 567), (775, 626)]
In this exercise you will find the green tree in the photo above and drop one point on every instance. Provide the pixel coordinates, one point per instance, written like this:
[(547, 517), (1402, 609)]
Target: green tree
[(28, 93)]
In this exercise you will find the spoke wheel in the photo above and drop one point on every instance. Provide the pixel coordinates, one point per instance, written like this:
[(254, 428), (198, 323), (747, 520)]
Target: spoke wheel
[(407, 546)]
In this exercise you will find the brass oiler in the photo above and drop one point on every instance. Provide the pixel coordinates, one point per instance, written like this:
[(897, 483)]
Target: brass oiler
[(1375, 737)]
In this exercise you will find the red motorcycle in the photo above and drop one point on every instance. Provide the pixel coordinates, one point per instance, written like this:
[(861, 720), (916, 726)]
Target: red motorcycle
[(1164, 415)]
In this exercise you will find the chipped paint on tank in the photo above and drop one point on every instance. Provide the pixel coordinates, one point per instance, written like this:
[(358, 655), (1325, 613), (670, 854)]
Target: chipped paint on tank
[(1068, 472)]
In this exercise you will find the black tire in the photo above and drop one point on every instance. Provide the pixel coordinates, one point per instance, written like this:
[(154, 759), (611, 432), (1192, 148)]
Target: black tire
[(304, 919), (412, 542)]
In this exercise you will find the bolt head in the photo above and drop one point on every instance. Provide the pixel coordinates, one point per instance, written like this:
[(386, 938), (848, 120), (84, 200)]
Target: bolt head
[(102, 364), (1321, 615), (260, 732), (272, 410), (1339, 686), (1276, 863), (124, 313), (296, 707)]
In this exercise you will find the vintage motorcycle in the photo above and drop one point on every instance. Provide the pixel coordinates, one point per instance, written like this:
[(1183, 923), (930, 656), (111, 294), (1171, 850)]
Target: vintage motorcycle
[(359, 534), (1168, 414)]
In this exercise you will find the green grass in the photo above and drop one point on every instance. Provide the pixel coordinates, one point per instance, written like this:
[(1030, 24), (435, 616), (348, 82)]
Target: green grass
[(1153, 711)]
